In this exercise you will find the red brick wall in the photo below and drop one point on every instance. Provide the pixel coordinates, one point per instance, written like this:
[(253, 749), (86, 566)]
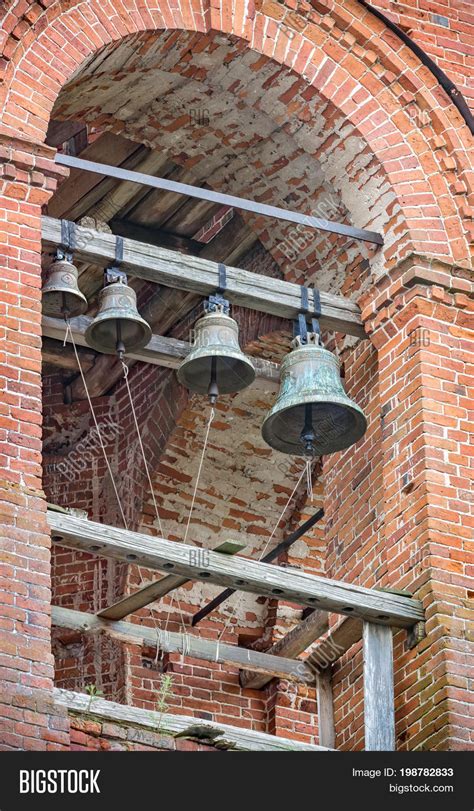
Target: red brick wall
[(29, 720), (417, 497), (403, 517)]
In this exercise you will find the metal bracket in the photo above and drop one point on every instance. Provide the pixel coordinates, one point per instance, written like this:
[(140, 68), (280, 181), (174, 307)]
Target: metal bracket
[(306, 220), (113, 274), (301, 325), (217, 302), (66, 247)]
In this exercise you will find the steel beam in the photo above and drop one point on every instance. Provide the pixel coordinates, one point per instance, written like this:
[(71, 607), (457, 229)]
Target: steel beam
[(217, 197)]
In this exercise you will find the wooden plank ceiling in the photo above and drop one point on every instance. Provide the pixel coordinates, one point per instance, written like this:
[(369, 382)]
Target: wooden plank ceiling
[(169, 220)]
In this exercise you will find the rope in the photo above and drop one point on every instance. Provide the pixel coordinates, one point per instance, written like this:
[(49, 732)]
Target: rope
[(309, 480), (155, 505), (137, 427), (198, 477), (97, 427), (265, 548)]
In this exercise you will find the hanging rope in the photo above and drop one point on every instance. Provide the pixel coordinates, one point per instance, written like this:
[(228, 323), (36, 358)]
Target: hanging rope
[(173, 598), (145, 463), (198, 477), (309, 479), (262, 553), (196, 485), (69, 333), (97, 427)]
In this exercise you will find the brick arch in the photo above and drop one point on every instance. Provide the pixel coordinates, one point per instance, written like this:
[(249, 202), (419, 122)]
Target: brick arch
[(419, 162)]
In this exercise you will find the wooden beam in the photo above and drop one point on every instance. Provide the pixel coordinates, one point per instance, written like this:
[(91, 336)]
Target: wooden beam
[(341, 638), (324, 699), (273, 554), (142, 597), (292, 644), (160, 351), (228, 737), (235, 239), (159, 588), (154, 236), (81, 190), (196, 647), (248, 575), (379, 707), (197, 275), (56, 354)]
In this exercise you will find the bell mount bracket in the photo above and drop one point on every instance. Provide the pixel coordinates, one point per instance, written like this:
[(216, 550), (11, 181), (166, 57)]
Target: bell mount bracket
[(113, 274), (301, 324), (65, 249), (217, 301)]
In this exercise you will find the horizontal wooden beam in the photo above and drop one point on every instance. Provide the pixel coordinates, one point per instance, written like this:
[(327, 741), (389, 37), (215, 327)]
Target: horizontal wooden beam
[(228, 737), (156, 590), (196, 647), (56, 354), (160, 351), (198, 275), (234, 571), (292, 644)]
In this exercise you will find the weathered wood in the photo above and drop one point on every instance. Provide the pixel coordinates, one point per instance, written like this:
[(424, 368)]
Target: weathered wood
[(192, 273), (229, 737), (144, 596), (81, 190), (341, 638), (346, 634), (159, 588), (235, 571), (154, 236), (272, 555), (292, 644), (235, 240), (160, 351), (327, 732), (379, 708), (56, 354), (196, 647)]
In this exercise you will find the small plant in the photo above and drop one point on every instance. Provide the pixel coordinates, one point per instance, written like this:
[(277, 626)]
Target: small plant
[(166, 688), (93, 692)]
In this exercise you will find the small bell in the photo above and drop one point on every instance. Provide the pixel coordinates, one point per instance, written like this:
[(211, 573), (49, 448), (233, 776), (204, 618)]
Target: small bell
[(216, 364), (313, 415), (61, 295), (118, 326)]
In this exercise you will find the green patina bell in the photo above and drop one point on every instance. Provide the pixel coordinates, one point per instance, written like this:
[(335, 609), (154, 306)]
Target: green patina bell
[(61, 295), (216, 364), (118, 326), (312, 415)]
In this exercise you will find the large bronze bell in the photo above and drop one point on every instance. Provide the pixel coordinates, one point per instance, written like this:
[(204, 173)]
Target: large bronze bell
[(118, 326), (61, 295), (312, 415), (216, 363)]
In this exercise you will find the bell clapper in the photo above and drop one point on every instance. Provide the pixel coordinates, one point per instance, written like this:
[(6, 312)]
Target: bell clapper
[(307, 438), (307, 434), (120, 346), (213, 390)]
